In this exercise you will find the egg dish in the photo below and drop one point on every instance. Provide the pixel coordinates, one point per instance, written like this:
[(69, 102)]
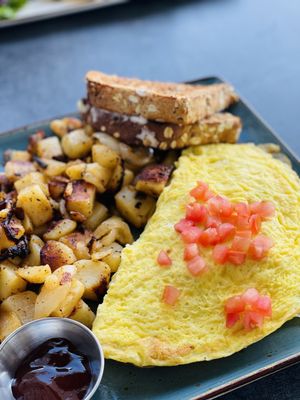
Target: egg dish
[(134, 325)]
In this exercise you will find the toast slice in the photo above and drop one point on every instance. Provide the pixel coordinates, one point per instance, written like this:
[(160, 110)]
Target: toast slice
[(168, 102), (137, 131)]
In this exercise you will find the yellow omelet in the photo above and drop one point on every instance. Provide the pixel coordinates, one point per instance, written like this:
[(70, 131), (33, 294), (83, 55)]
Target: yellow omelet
[(134, 325)]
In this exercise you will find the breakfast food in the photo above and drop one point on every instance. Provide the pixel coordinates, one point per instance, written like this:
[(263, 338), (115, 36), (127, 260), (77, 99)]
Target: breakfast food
[(65, 207), (160, 115), (179, 298)]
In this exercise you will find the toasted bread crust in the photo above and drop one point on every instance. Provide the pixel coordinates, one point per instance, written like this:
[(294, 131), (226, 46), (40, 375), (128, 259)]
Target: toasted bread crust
[(168, 102), (137, 131)]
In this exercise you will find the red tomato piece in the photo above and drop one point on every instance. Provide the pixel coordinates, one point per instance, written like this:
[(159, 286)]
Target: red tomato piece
[(265, 209), (260, 247), (242, 223), (196, 212), (191, 235), (240, 243), (226, 231), (242, 209), (212, 222), (170, 295), (251, 296), (234, 305), (244, 234), (182, 225), (255, 223), (252, 320), (220, 206), (236, 257), (190, 251), (199, 191), (196, 266), (264, 306), (231, 319), (209, 237), (208, 195), (163, 259), (220, 253)]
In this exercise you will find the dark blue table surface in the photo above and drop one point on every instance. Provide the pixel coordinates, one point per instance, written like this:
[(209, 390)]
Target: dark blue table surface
[(255, 44)]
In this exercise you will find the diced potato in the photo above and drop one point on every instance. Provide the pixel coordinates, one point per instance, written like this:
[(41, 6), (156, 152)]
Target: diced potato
[(56, 254), (76, 171), (113, 229), (5, 242), (135, 207), (62, 126), (76, 144), (9, 322), (35, 204), (153, 179), (10, 281), (33, 141), (54, 291), (105, 156), (82, 313), (16, 155), (69, 303), (34, 274), (99, 214), (28, 226), (128, 177), (15, 170), (57, 187), (80, 197), (31, 179), (12, 229), (22, 304), (35, 246), (54, 167), (49, 147), (78, 242), (97, 175), (59, 229), (111, 255), (95, 276), (116, 179)]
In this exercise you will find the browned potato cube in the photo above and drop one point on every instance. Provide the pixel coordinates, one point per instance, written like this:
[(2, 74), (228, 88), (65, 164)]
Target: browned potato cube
[(76, 144), (35, 204), (152, 179), (78, 242), (80, 197), (16, 155), (15, 170), (49, 148), (22, 304), (34, 274), (135, 207), (99, 214), (68, 304), (56, 254), (10, 281), (57, 187), (31, 179), (35, 246), (105, 156), (9, 322), (113, 229), (82, 313), (60, 228), (116, 179)]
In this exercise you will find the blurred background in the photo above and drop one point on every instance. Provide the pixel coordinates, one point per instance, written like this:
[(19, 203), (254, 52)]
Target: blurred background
[(254, 44)]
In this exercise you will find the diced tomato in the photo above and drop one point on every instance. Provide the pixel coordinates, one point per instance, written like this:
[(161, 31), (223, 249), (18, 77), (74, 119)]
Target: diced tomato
[(242, 209), (226, 231), (252, 320), (182, 225), (260, 247), (196, 266), (263, 305), (220, 206), (196, 212), (209, 237), (242, 223), (251, 296), (234, 305), (250, 308), (170, 295), (163, 259), (265, 209), (241, 243), (190, 251), (231, 319), (191, 235), (208, 195), (220, 253), (212, 222), (199, 191), (255, 223), (236, 257)]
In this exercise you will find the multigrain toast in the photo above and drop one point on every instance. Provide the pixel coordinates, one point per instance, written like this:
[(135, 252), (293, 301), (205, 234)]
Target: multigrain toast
[(137, 131), (168, 102)]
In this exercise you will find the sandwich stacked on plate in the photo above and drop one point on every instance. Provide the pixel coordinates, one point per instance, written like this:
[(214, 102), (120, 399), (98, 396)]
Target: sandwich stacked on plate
[(160, 115)]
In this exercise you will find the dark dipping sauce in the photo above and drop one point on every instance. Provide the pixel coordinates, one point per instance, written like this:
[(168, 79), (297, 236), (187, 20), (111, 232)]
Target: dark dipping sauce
[(55, 370)]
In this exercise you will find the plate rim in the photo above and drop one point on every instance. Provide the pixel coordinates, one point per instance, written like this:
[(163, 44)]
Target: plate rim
[(260, 372)]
